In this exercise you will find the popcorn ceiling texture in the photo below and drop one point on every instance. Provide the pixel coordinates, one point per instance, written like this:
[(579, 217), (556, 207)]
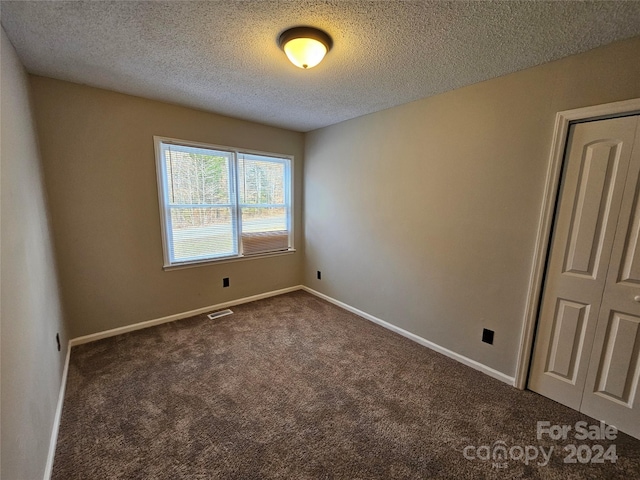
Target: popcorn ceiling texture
[(222, 56)]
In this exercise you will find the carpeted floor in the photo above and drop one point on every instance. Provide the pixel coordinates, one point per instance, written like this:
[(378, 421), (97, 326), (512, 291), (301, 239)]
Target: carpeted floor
[(293, 387)]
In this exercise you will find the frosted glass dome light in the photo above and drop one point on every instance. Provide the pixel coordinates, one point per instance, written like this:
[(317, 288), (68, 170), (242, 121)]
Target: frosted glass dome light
[(305, 46)]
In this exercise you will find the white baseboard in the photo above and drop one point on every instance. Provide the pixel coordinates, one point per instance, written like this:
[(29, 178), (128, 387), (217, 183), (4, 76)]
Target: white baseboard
[(48, 469), (422, 341), (178, 316)]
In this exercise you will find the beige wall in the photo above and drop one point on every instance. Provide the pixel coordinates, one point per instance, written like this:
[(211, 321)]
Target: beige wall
[(99, 164), (30, 309), (425, 215)]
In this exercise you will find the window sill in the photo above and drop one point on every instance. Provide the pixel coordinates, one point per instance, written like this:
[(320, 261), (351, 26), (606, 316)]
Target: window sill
[(205, 263)]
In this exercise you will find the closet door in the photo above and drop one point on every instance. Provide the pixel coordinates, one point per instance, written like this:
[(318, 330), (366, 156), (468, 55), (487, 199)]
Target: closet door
[(611, 390), (594, 180)]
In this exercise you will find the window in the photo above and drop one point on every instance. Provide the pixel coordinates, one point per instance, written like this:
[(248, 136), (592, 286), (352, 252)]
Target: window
[(220, 203)]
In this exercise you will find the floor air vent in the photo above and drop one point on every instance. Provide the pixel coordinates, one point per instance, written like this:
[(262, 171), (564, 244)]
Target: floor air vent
[(221, 313)]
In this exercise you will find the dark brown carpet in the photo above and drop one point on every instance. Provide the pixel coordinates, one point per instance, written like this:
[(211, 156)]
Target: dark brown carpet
[(293, 387)]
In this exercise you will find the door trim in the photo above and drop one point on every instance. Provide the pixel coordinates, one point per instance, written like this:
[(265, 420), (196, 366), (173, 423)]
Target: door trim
[(545, 222)]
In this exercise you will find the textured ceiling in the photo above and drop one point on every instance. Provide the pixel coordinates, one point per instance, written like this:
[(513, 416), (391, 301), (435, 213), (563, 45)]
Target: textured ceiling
[(223, 56)]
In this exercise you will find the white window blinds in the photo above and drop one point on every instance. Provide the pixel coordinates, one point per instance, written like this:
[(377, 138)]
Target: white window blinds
[(220, 204), (263, 203)]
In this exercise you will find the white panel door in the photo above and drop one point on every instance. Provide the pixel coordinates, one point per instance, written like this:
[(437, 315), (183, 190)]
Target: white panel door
[(611, 390), (596, 165)]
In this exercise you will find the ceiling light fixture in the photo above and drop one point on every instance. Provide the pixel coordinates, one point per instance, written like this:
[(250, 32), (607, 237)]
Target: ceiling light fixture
[(305, 46)]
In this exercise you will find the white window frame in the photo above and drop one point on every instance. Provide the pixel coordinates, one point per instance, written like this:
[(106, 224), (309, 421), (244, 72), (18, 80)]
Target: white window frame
[(236, 206)]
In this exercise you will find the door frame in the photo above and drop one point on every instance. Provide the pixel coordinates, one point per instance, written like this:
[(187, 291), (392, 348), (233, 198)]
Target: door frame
[(564, 120)]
